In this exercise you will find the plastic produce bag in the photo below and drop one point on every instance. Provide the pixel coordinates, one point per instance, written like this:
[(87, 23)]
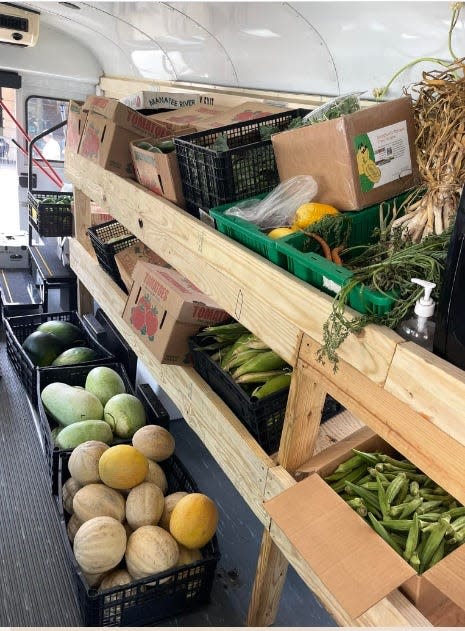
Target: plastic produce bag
[(339, 106), (278, 207)]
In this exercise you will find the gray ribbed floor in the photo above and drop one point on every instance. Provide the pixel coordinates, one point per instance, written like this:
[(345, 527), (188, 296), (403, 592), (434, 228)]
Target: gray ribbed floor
[(36, 587)]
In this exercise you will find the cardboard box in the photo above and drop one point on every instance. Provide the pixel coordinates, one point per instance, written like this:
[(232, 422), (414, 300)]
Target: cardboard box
[(357, 566), (107, 144), (98, 215), (75, 126), (125, 117), (159, 172), (155, 100), (189, 115), (126, 260), (164, 309), (249, 110), (357, 160)]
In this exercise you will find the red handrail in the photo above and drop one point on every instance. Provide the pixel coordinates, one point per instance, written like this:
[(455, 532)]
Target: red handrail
[(56, 179), (38, 165)]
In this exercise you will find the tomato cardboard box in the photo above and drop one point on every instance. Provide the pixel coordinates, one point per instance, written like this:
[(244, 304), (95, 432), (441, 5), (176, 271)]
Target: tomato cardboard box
[(159, 172), (164, 309), (98, 215), (357, 160), (154, 100), (249, 110), (126, 260), (75, 126), (109, 128), (189, 115), (355, 564)]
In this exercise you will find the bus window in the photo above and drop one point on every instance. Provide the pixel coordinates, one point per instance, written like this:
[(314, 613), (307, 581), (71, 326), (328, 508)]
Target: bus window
[(43, 113)]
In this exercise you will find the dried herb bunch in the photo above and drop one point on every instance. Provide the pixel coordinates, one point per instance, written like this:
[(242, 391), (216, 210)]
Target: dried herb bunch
[(440, 120)]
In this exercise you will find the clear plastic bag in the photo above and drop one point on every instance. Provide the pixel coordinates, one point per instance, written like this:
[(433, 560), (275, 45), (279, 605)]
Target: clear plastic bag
[(278, 207)]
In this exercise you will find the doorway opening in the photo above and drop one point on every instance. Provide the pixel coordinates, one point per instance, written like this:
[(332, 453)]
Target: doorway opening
[(9, 209)]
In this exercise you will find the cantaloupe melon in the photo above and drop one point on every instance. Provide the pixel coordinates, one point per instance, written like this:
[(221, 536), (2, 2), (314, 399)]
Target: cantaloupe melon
[(144, 505), (170, 503), (83, 461), (154, 442), (157, 476), (73, 526), (187, 555), (97, 500), (99, 545), (94, 580), (114, 579), (122, 467), (69, 490), (194, 520), (150, 550)]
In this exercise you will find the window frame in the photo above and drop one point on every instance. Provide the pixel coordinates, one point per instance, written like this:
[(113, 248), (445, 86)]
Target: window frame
[(26, 111)]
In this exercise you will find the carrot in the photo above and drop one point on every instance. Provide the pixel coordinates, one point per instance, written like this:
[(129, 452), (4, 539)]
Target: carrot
[(335, 254), (324, 246)]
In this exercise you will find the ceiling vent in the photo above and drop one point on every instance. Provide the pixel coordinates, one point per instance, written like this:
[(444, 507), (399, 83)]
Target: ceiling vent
[(18, 26)]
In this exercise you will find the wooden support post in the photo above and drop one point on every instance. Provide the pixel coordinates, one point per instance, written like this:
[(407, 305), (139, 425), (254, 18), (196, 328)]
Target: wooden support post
[(85, 300), (298, 439), (268, 584), (82, 218)]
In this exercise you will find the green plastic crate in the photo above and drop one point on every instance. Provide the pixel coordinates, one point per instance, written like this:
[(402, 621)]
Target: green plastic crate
[(289, 252), (248, 233)]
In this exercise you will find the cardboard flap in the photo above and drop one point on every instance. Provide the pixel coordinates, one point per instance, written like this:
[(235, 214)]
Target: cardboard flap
[(449, 576), (348, 556)]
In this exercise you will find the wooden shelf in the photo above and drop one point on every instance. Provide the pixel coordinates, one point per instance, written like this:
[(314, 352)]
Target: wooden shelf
[(408, 396)]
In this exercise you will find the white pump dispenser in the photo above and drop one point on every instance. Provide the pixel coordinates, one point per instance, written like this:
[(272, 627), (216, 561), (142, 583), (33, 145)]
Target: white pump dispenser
[(420, 329)]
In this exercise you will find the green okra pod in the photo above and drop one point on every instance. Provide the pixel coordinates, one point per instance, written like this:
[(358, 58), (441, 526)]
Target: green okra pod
[(382, 498), (411, 507), (345, 467), (456, 512), (382, 532), (414, 488), (429, 517), (415, 561), (427, 495), (371, 485), (367, 457), (429, 505), (412, 538), (358, 505), (352, 476), (438, 555), (400, 464), (400, 525), (434, 540), (403, 492), (394, 488), (370, 499)]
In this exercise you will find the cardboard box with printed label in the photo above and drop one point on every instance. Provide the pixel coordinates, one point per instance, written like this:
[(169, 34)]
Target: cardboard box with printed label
[(249, 110), (160, 100), (357, 160), (159, 172), (355, 564), (127, 259), (164, 309), (191, 116), (75, 126), (110, 127)]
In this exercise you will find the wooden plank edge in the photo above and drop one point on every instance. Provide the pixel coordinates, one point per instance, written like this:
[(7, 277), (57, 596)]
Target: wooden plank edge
[(232, 446)]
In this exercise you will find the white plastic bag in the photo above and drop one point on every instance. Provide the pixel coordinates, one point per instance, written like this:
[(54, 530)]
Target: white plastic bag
[(278, 207)]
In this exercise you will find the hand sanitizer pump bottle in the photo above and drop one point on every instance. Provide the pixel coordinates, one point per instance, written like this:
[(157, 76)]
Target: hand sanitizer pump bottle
[(420, 328)]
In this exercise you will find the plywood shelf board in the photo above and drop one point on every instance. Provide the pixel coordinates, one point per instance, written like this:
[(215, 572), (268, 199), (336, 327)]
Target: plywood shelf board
[(274, 304)]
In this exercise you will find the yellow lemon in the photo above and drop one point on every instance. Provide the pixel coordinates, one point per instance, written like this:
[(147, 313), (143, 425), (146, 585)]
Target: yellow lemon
[(311, 212), (277, 233)]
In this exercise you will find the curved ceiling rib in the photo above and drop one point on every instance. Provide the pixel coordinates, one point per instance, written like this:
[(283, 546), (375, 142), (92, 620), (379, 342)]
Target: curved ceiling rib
[(220, 44), (135, 28), (315, 30)]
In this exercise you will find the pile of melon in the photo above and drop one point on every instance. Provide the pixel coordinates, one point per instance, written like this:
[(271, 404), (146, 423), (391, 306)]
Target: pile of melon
[(121, 525), (101, 410)]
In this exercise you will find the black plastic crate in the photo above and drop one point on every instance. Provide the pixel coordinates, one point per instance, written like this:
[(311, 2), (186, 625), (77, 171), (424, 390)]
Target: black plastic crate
[(211, 177), (117, 345), (49, 219), (100, 236), (17, 329), (76, 376), (156, 597), (264, 418)]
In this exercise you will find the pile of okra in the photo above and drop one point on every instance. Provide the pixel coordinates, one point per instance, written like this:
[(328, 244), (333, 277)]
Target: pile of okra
[(415, 516)]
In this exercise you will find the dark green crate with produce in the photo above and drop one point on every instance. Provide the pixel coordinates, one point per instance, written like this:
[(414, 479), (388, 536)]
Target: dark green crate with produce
[(50, 213)]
